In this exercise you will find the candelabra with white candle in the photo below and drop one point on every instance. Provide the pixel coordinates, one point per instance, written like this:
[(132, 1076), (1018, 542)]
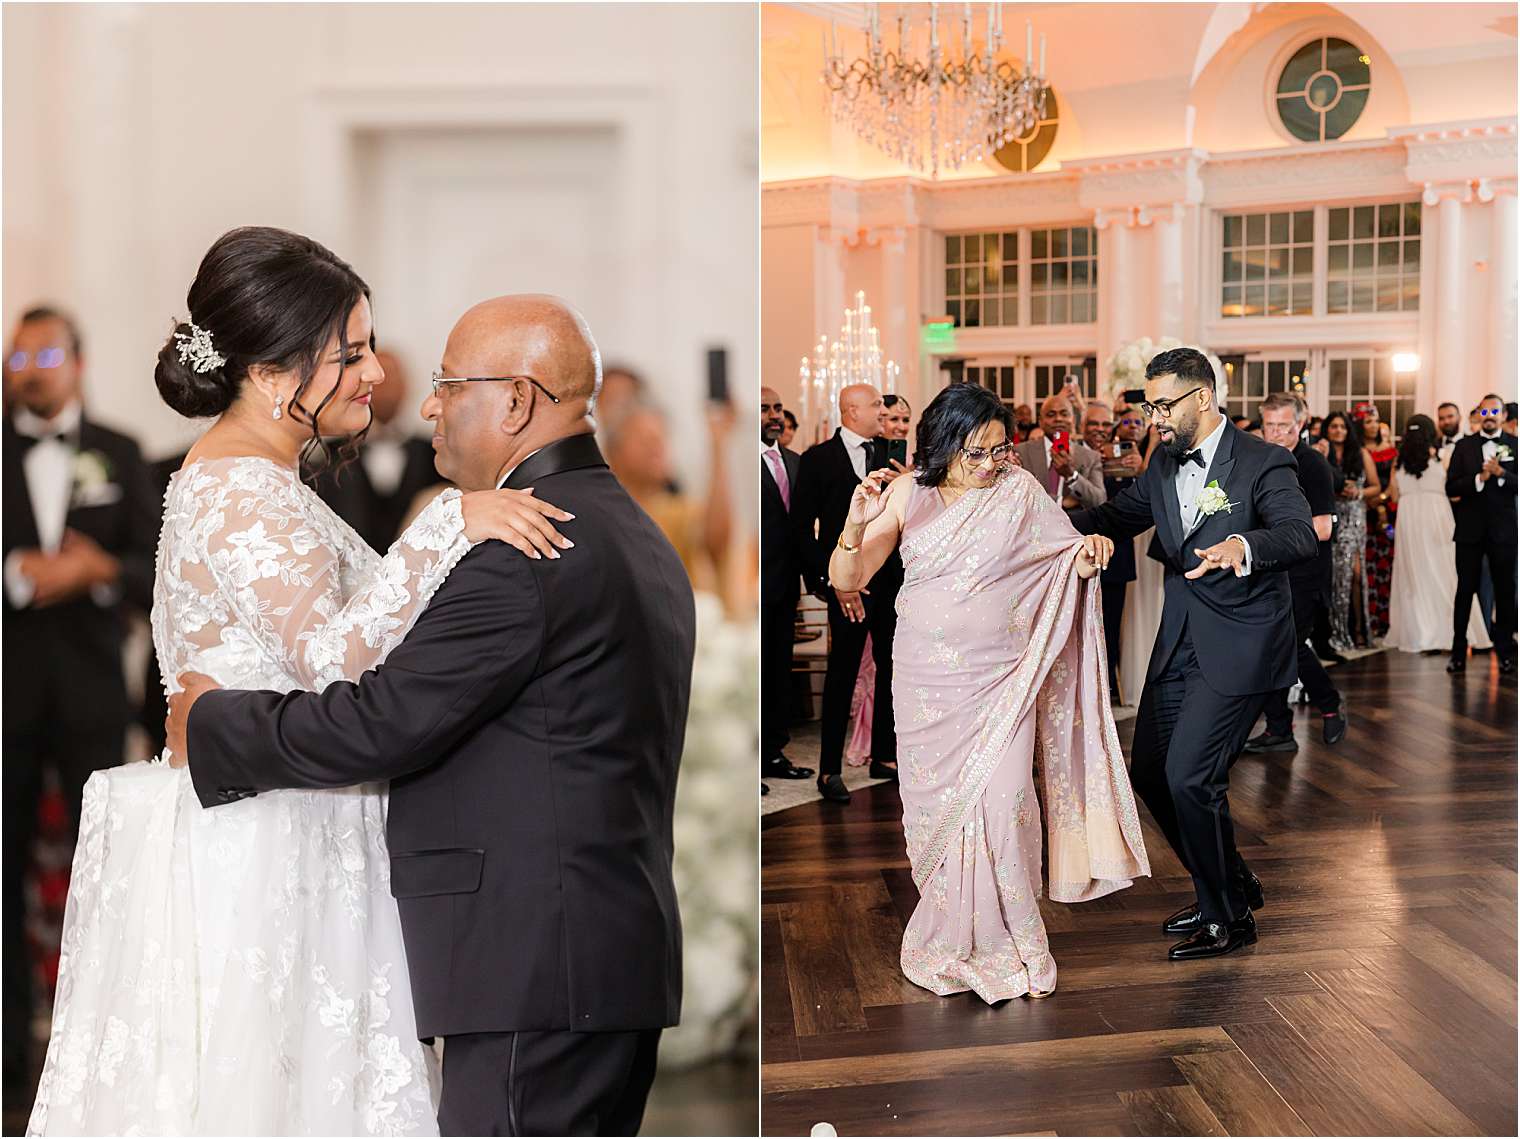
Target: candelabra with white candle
[(854, 358)]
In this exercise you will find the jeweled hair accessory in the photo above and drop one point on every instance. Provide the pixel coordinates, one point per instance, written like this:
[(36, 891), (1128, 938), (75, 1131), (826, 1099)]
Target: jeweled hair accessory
[(197, 350)]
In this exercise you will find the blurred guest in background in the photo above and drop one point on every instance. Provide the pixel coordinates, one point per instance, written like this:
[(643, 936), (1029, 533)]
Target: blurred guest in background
[(826, 481), (620, 385), (1449, 422), (1023, 419), (1316, 429), (788, 431), (638, 451), (1380, 520), (1242, 421), (80, 532), (1510, 422), (1122, 461), (395, 465), (1356, 485), (896, 419), (780, 588), (1070, 471), (1481, 483), (1473, 422), (1283, 415)]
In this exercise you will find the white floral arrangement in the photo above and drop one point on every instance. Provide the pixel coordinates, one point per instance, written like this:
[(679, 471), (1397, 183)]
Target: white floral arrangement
[(1126, 367), (716, 840)]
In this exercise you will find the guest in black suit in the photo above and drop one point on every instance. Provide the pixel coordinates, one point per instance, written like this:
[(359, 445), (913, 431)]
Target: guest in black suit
[(1480, 481), (1226, 639), (826, 479), (531, 725), (1283, 415), (394, 466), (780, 588), (1099, 433), (80, 532)]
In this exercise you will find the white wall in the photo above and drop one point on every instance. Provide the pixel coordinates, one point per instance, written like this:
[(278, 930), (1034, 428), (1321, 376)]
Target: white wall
[(136, 133)]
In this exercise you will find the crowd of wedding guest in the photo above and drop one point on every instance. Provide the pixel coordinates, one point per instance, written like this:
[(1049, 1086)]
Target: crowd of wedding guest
[(1417, 535), (82, 513)]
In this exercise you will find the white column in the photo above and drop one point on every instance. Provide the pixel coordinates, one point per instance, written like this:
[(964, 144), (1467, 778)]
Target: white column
[(1116, 317), (1450, 364), (1171, 312), (1504, 344)]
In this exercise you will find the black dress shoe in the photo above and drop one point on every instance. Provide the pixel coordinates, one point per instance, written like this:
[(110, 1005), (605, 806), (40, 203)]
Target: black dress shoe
[(1188, 919), (884, 771), (779, 767), (764, 790), (832, 788), (1335, 725), (1456, 664), (1270, 741), (1215, 940)]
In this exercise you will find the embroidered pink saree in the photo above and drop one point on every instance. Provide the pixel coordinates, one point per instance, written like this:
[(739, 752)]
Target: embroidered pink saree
[(998, 657)]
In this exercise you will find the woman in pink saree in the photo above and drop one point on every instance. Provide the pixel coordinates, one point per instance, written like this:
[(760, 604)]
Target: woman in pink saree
[(1000, 691)]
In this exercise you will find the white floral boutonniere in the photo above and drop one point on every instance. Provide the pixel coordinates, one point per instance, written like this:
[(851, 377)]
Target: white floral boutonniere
[(1212, 499), (1502, 452), (91, 470)]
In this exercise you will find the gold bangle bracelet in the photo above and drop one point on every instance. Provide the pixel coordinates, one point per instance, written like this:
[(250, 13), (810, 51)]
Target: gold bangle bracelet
[(846, 547)]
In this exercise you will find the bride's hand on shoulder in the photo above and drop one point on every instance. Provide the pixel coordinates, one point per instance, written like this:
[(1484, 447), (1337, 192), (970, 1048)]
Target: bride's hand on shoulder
[(869, 499), (516, 518), (1094, 555)]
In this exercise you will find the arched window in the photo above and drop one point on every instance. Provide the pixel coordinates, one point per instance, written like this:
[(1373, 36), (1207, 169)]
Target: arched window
[(1323, 89), (1028, 150)]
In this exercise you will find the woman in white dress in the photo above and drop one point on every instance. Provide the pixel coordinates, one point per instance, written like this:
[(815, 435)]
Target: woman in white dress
[(241, 970), (1425, 572)]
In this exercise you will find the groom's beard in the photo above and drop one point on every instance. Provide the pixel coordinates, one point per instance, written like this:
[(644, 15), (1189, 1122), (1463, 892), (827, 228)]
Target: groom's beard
[(1497, 427), (1181, 442)]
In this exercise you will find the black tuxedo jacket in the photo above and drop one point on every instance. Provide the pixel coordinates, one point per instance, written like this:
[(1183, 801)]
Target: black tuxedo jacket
[(780, 559), (826, 480), (531, 724), (65, 660), (377, 517), (1241, 627), (1489, 515)]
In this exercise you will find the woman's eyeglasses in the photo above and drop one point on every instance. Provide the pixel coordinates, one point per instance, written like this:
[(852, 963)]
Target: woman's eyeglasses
[(439, 379), (975, 455)]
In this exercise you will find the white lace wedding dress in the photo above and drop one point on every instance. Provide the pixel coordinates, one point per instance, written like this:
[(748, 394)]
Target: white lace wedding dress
[(240, 969), (1423, 592)]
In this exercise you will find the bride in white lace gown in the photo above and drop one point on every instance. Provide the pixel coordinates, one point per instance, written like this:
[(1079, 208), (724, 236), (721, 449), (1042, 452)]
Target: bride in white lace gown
[(241, 970)]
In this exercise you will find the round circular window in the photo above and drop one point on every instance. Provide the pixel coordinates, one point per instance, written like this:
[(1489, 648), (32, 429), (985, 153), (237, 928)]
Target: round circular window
[(1029, 149), (1323, 89)]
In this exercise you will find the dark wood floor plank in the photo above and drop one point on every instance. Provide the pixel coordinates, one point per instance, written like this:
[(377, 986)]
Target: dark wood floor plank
[(778, 1028), (873, 936), (818, 970), (1238, 1095), (1477, 977), (1171, 1111)]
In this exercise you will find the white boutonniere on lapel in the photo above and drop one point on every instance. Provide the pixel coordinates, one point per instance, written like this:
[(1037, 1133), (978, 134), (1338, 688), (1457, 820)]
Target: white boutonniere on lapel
[(1212, 499), (1502, 452), (92, 480)]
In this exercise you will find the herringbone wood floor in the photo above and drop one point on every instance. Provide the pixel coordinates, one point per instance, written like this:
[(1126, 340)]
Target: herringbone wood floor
[(1380, 999)]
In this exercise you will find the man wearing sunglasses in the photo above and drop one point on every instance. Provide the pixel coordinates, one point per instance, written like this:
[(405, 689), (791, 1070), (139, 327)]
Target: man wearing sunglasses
[(1480, 481), (1230, 520)]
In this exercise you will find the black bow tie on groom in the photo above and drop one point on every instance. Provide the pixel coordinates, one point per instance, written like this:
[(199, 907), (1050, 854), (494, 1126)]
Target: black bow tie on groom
[(1192, 457)]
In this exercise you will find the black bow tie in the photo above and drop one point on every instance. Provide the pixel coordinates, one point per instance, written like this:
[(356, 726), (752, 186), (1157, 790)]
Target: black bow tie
[(1192, 457), (27, 442)]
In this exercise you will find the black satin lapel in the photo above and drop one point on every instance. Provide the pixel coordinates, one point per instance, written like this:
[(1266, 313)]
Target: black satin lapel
[(1168, 475), (568, 454), (1219, 470)]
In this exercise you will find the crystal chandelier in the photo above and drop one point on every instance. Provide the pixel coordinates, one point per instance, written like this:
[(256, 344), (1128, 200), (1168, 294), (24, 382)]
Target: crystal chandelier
[(936, 110), (855, 358)]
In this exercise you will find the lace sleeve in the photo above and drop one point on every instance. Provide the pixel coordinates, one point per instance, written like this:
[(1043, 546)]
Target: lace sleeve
[(283, 584)]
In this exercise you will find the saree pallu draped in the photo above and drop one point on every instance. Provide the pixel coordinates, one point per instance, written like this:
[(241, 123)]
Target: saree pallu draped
[(1000, 662)]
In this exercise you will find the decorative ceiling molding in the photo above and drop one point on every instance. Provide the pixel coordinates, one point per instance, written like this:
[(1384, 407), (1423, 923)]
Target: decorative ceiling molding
[(1446, 152), (1142, 183)]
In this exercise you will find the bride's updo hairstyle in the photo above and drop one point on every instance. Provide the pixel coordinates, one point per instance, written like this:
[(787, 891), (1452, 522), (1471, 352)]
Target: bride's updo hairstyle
[(952, 417), (262, 296)]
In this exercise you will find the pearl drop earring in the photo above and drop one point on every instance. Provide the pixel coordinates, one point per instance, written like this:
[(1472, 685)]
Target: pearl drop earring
[(279, 399)]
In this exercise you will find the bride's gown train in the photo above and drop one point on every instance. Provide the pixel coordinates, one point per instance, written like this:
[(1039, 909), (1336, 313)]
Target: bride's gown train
[(240, 970)]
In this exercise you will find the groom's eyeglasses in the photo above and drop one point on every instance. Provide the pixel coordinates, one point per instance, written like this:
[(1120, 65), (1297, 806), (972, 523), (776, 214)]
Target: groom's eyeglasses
[(1485, 412), (439, 379), (1162, 408)]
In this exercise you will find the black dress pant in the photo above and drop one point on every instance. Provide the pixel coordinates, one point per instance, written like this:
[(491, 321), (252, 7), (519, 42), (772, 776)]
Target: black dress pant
[(74, 751), (1501, 567), (847, 640), (1113, 621), (1186, 737), (1316, 681), (778, 623), (546, 1083)]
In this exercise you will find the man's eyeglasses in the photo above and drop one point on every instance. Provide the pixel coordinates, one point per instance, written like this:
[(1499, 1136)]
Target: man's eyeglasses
[(439, 379), (47, 358), (1162, 408), (975, 455)]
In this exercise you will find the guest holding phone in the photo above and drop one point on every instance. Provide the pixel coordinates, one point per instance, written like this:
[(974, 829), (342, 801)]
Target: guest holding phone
[(1071, 472), (896, 419)]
